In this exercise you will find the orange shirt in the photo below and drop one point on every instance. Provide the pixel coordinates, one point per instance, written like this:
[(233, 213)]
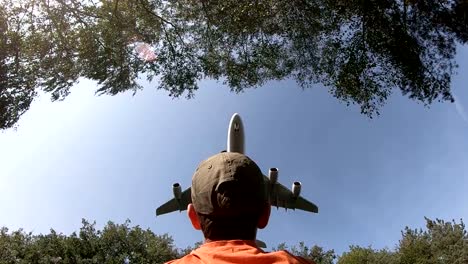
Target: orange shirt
[(237, 251)]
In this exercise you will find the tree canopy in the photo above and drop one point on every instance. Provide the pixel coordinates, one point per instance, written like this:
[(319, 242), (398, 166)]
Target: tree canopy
[(360, 50), (440, 243), (116, 243), (315, 253)]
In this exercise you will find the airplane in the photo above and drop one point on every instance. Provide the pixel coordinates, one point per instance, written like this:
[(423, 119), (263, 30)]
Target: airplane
[(278, 195)]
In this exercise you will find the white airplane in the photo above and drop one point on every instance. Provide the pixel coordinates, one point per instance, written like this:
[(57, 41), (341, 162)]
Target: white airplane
[(278, 195)]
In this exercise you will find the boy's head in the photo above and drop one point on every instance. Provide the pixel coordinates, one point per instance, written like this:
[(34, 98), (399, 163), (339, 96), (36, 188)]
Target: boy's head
[(228, 197)]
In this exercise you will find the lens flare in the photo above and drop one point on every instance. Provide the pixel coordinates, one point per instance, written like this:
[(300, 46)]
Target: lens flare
[(145, 51), (460, 109)]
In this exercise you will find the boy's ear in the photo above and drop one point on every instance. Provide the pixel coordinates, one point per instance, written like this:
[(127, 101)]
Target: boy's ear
[(264, 217), (192, 214)]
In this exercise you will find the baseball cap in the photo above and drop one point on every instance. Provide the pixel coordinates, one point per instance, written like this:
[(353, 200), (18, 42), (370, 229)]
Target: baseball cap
[(228, 184)]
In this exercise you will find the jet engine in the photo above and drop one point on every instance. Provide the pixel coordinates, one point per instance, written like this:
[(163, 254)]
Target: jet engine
[(177, 189), (296, 189), (273, 175)]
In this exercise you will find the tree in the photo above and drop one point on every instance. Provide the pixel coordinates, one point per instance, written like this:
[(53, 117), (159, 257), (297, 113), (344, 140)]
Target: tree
[(14, 247), (116, 243), (315, 253), (442, 242), (357, 255), (189, 249), (361, 50)]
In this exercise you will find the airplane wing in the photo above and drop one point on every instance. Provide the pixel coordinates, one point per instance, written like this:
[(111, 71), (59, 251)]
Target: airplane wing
[(176, 204), (285, 199)]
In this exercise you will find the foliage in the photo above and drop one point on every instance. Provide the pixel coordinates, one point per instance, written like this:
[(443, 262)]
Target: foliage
[(116, 243), (442, 243), (357, 255), (314, 253), (360, 50), (189, 249)]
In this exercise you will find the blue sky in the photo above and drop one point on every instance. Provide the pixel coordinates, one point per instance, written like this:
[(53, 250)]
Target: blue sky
[(112, 158)]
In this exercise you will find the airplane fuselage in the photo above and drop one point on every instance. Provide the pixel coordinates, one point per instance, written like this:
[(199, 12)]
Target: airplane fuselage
[(235, 139)]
